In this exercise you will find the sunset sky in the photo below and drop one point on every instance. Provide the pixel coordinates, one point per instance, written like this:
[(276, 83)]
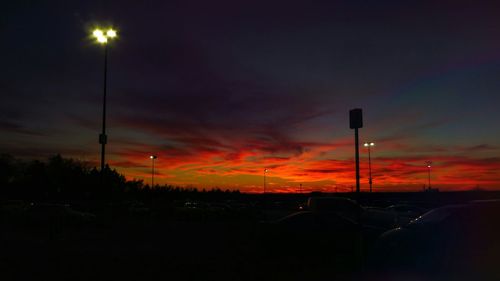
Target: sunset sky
[(221, 90)]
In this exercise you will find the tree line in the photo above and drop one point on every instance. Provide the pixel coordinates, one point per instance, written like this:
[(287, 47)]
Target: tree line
[(60, 178)]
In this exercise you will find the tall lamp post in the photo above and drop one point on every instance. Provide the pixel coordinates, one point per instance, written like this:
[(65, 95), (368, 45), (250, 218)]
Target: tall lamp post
[(429, 164), (102, 37), (265, 173), (153, 157), (369, 145)]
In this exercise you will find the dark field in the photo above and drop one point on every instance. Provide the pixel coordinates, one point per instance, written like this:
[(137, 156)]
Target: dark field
[(187, 240)]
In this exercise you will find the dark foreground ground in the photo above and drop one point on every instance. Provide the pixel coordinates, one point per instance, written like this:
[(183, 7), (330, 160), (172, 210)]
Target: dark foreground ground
[(179, 241)]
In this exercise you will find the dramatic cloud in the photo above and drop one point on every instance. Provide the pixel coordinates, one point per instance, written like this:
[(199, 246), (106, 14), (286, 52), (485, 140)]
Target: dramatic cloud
[(222, 90)]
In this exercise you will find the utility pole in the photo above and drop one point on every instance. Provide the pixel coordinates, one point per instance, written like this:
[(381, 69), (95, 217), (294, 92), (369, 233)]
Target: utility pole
[(369, 145), (265, 172), (153, 158), (429, 164)]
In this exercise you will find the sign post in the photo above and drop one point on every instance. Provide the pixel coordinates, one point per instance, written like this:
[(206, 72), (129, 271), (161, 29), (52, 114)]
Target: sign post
[(356, 122)]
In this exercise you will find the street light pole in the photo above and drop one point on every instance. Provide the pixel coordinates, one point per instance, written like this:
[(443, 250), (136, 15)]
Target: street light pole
[(429, 163), (265, 172), (153, 157), (369, 145), (103, 139), (102, 37)]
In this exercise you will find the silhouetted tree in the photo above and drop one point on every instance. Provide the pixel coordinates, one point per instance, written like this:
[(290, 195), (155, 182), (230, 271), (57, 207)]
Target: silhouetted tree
[(61, 178)]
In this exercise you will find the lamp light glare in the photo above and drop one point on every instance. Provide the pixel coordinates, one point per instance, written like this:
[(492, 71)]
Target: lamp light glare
[(102, 39), (111, 33), (97, 33)]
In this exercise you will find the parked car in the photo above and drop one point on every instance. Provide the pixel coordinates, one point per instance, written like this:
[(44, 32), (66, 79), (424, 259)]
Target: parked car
[(315, 234), (44, 214), (454, 242), (310, 236), (404, 213), (350, 209)]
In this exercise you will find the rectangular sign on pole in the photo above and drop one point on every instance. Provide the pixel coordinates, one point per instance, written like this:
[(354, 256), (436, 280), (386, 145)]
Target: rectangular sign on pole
[(356, 118)]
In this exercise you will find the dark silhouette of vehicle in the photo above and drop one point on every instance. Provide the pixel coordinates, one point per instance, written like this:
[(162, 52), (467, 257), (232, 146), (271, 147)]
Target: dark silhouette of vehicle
[(309, 236), (329, 226), (342, 206), (386, 218), (454, 242), (404, 213), (63, 214)]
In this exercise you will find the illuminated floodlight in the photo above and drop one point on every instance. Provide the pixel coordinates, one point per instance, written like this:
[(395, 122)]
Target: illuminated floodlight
[(111, 33), (102, 39), (104, 36), (97, 33)]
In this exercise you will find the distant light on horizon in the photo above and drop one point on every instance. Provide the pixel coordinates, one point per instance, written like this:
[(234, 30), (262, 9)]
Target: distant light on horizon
[(367, 144)]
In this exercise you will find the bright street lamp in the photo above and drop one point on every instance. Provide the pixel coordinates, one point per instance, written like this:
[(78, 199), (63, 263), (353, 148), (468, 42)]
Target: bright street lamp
[(369, 145), (102, 36), (153, 157)]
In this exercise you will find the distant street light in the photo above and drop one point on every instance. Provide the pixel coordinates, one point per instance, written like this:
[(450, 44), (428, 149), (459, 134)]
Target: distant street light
[(153, 157), (369, 145), (265, 172), (429, 163), (102, 37)]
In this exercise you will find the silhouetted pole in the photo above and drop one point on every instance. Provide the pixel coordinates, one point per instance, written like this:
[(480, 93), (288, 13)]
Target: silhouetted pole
[(356, 122), (265, 172), (103, 139), (429, 163), (102, 37), (369, 145), (356, 143), (153, 157)]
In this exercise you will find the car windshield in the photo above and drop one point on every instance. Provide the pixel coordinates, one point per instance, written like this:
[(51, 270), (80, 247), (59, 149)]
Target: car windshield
[(434, 216)]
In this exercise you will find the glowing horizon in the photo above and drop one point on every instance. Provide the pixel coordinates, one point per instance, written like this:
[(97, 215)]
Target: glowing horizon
[(270, 87)]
